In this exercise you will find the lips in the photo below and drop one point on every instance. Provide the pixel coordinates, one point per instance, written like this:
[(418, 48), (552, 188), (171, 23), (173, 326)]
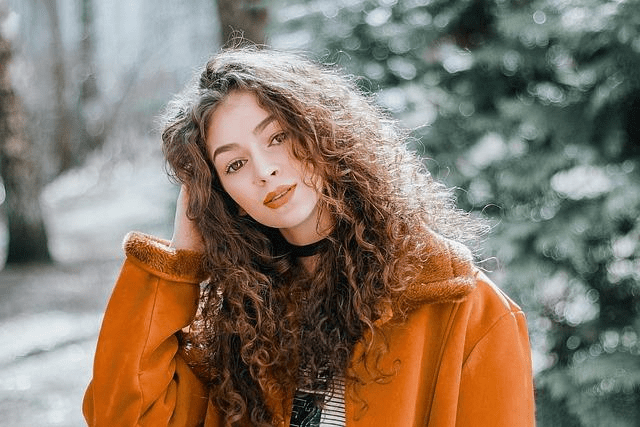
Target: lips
[(278, 197)]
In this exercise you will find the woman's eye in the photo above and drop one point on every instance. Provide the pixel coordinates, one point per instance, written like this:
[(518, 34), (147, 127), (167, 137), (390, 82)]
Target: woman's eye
[(234, 166), (279, 138)]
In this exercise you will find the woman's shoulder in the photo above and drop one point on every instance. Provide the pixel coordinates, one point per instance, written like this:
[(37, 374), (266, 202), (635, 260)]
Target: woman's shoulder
[(482, 312), (491, 296), (447, 274)]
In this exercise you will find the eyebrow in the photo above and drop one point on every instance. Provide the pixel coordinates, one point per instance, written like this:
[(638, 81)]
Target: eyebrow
[(223, 149), (263, 124), (232, 146)]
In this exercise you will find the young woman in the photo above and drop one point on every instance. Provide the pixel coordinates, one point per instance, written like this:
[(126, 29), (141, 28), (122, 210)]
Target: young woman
[(315, 276)]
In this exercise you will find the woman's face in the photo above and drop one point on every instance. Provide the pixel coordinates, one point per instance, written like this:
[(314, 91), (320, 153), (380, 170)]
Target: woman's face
[(251, 153)]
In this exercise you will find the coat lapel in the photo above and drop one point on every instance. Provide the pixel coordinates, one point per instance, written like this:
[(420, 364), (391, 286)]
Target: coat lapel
[(447, 275), (403, 398)]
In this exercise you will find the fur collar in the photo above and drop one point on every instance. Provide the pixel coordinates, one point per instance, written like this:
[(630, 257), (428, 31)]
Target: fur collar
[(446, 274)]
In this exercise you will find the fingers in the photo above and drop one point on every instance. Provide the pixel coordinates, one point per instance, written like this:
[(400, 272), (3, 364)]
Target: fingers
[(185, 232)]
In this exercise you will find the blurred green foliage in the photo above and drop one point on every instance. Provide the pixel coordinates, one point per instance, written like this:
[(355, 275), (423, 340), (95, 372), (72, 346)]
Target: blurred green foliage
[(532, 109)]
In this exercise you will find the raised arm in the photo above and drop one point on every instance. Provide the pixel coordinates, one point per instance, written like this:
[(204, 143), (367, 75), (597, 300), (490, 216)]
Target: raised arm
[(139, 377)]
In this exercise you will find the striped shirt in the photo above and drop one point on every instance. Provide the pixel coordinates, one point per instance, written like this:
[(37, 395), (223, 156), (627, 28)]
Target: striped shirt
[(330, 413)]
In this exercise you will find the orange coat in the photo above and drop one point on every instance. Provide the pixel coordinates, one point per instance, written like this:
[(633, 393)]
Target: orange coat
[(462, 355)]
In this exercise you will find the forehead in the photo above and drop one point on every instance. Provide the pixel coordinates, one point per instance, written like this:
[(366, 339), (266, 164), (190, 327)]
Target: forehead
[(239, 113)]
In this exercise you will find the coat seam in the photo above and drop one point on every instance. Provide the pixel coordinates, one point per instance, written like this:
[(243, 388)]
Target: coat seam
[(488, 331), (446, 336)]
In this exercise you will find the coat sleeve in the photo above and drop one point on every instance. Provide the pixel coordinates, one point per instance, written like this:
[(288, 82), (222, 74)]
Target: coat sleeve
[(139, 377), (496, 386)]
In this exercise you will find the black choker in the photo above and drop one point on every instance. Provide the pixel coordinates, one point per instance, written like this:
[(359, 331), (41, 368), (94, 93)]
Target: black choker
[(305, 250)]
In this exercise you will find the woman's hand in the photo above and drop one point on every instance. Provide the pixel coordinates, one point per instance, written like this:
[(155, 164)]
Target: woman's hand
[(185, 232)]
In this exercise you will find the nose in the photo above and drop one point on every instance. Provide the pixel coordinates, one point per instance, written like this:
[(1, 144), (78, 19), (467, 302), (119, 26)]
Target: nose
[(265, 169)]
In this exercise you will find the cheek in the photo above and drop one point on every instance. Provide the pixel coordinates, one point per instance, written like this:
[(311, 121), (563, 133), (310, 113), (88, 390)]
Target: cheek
[(235, 193), (314, 181), (311, 194), (307, 174)]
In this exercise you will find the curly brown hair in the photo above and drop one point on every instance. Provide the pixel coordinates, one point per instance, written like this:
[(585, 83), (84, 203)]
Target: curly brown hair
[(265, 319)]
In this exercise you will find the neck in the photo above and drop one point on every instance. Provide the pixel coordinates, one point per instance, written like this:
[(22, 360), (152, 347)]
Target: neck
[(303, 251)]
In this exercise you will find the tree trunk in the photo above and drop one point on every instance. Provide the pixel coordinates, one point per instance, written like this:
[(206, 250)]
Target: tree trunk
[(63, 118), (242, 18), (89, 112), (27, 234)]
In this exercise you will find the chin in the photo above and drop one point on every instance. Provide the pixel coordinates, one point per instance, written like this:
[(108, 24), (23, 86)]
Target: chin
[(292, 218), (289, 224)]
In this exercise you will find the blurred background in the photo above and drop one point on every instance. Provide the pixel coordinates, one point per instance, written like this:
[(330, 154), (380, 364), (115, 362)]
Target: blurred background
[(529, 108)]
